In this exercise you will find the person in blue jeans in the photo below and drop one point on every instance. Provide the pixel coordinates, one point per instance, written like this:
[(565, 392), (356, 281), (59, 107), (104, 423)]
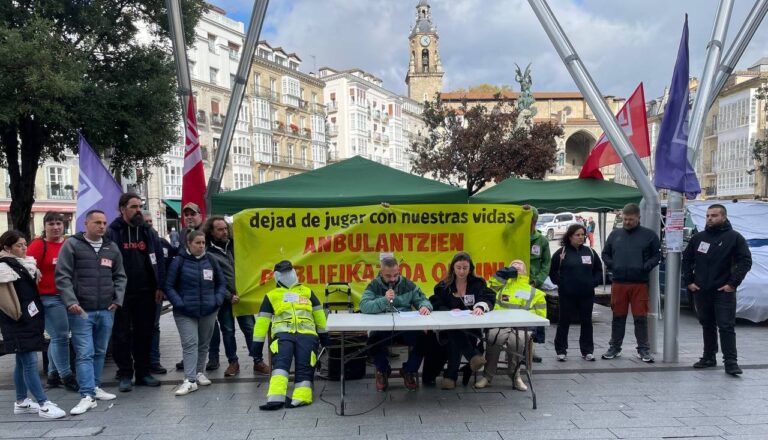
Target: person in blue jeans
[(22, 324), (45, 250), (92, 281), (221, 248)]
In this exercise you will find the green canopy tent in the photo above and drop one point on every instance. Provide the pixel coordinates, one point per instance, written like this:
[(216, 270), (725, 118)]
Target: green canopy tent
[(561, 195), (355, 181)]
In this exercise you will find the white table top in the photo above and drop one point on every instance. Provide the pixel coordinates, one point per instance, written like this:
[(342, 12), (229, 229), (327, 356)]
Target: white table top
[(434, 321)]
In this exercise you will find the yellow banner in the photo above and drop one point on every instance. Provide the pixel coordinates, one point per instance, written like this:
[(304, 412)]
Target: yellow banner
[(345, 244)]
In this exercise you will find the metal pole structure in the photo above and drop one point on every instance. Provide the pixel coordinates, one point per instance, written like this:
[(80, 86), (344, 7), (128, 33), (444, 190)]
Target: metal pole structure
[(238, 92), (651, 208), (676, 202), (176, 28), (737, 48)]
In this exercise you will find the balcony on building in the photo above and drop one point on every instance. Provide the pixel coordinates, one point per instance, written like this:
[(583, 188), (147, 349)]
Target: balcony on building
[(385, 139), (332, 107), (377, 115), (217, 120), (286, 161), (317, 108), (333, 130), (60, 192), (264, 92), (377, 137), (710, 191), (202, 118)]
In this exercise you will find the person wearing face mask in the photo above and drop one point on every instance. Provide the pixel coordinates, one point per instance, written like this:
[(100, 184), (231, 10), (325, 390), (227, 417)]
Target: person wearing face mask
[(23, 331), (145, 267), (576, 270), (298, 324), (45, 250), (196, 287), (462, 289), (515, 291)]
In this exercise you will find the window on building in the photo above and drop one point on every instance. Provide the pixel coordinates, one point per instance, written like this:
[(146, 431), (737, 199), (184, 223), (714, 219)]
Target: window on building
[(231, 81), (57, 180), (191, 64), (261, 113), (214, 106), (276, 175), (172, 178), (242, 178), (291, 91), (241, 151), (264, 54), (290, 154), (214, 74), (212, 43), (257, 84), (262, 175), (275, 152)]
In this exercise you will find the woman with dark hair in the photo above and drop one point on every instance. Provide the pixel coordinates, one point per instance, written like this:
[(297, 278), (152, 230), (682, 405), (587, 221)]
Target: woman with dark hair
[(461, 289), (577, 270), (22, 323), (45, 250), (195, 286)]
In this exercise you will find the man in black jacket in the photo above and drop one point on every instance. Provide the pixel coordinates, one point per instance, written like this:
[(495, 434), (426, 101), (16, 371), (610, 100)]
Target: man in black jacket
[(715, 262), (145, 268), (221, 248), (630, 253)]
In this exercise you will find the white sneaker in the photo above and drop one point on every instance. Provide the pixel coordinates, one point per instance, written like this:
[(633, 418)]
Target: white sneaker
[(186, 387), (562, 357), (100, 394), (84, 405), (202, 380), (518, 384), (26, 407), (482, 382), (50, 410)]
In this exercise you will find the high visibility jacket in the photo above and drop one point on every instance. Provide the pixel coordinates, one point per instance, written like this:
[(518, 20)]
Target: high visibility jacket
[(519, 294), (290, 310)]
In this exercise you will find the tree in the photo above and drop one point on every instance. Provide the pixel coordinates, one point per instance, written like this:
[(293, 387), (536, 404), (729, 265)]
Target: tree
[(473, 146), (101, 66), (760, 146)]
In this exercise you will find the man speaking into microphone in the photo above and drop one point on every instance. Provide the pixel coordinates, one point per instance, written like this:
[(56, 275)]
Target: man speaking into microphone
[(391, 292)]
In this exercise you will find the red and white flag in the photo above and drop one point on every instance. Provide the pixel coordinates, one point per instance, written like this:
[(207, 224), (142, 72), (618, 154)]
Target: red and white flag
[(634, 122), (193, 184)]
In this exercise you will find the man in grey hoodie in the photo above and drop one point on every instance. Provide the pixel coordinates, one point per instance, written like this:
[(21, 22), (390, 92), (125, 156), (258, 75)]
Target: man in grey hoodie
[(91, 279)]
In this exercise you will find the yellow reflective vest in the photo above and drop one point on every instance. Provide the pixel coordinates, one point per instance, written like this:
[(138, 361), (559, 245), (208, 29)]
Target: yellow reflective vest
[(519, 294), (290, 310)]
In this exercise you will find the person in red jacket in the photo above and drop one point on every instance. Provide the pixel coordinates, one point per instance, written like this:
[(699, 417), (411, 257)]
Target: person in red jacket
[(45, 251)]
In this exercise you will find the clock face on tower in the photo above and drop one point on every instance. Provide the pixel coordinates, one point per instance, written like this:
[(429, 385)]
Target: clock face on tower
[(425, 40)]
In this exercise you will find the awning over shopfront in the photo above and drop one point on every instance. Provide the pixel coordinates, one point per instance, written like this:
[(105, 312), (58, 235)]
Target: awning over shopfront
[(175, 205)]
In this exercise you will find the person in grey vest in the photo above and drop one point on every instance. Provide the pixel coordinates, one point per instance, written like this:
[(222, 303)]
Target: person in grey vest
[(91, 279)]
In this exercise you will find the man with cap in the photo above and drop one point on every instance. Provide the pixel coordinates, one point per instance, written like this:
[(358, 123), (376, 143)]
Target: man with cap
[(298, 324), (515, 291), (193, 221)]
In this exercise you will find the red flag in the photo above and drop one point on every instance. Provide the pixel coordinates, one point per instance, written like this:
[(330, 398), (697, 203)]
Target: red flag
[(193, 184), (634, 122)]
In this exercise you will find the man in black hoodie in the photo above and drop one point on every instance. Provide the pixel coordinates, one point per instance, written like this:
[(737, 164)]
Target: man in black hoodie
[(144, 266), (630, 253), (715, 262)]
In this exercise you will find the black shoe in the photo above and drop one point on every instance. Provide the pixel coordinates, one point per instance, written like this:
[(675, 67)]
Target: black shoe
[(180, 365), (125, 385), (212, 365), (272, 406), (733, 369), (466, 374), (537, 359), (70, 383), (705, 363), (157, 369), (53, 380), (148, 381)]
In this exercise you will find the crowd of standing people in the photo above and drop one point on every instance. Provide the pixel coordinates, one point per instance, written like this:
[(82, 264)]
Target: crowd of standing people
[(108, 283)]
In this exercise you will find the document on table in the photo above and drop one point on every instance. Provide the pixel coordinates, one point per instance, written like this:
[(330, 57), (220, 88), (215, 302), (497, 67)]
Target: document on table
[(411, 314), (461, 312)]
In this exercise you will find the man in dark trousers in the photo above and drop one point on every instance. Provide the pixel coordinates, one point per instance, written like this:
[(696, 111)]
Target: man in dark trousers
[(715, 262), (144, 266), (631, 253)]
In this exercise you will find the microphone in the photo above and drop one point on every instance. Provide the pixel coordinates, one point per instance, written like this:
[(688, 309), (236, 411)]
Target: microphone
[(392, 288)]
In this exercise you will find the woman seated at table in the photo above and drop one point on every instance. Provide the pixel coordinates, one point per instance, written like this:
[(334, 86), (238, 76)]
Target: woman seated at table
[(461, 289)]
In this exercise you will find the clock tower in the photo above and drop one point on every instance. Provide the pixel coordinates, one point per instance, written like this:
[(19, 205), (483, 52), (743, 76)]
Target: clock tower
[(425, 71)]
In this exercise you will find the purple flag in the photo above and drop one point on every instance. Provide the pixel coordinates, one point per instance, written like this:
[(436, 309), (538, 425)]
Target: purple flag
[(97, 189), (673, 171)]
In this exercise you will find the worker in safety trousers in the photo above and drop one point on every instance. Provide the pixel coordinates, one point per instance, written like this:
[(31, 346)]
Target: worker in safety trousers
[(514, 291), (298, 324)]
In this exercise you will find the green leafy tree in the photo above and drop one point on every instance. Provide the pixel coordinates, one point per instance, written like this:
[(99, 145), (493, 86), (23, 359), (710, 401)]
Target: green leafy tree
[(104, 67), (471, 147), (760, 147)]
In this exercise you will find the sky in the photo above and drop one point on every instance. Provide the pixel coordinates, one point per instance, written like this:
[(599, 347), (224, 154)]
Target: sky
[(622, 42)]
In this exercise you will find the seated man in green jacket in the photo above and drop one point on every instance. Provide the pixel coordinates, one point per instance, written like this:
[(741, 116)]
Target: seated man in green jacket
[(390, 292)]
